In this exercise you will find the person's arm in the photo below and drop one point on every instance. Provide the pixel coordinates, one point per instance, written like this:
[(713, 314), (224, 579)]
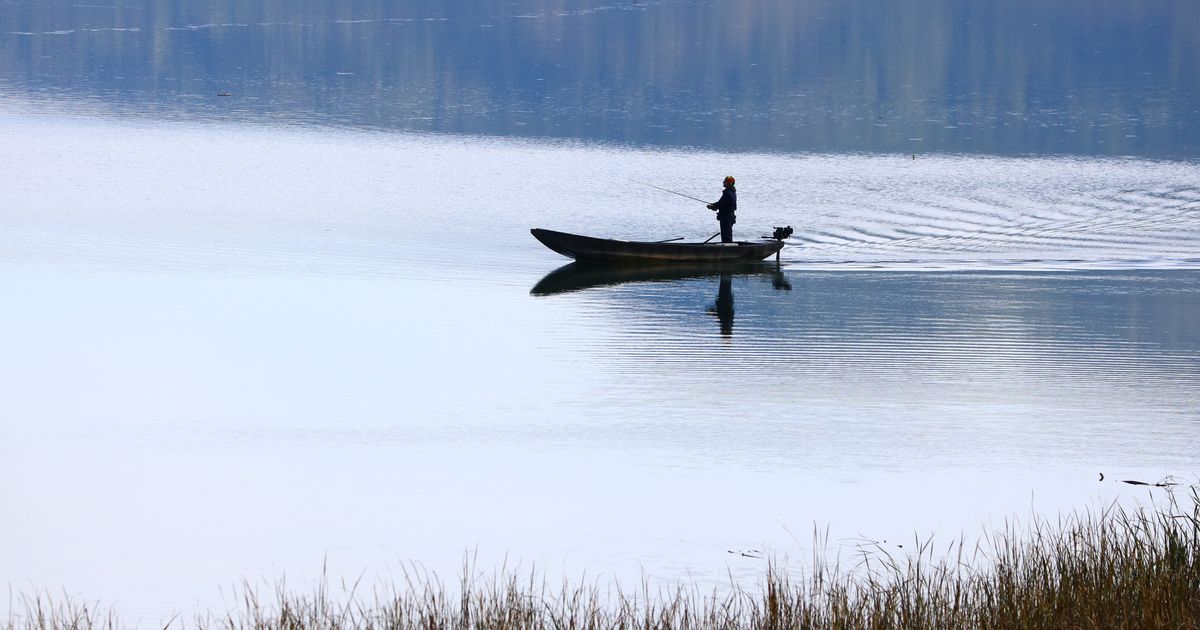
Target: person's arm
[(722, 203)]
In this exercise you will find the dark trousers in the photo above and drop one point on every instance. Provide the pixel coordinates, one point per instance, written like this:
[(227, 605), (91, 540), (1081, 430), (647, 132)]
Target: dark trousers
[(727, 231)]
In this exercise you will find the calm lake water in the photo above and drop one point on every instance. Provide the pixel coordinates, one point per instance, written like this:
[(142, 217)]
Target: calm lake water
[(245, 337)]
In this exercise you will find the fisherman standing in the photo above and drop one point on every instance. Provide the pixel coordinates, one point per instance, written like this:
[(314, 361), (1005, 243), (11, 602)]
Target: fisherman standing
[(726, 206)]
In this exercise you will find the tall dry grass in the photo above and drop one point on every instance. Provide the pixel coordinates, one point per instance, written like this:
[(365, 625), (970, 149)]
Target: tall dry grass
[(1116, 568)]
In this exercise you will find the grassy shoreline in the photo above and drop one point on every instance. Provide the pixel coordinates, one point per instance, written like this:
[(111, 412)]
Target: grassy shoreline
[(1116, 568)]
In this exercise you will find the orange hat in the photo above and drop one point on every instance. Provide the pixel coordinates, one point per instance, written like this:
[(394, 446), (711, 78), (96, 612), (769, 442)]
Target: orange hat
[(728, 180)]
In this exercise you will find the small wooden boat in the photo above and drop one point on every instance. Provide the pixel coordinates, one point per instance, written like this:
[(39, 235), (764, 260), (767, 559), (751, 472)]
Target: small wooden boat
[(606, 250)]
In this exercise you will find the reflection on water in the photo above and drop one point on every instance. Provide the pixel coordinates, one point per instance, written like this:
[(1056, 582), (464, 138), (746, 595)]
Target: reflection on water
[(723, 309), (860, 371), (998, 77), (1063, 353), (578, 277)]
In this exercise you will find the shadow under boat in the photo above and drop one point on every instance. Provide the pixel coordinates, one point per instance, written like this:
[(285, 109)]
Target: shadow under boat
[(578, 276)]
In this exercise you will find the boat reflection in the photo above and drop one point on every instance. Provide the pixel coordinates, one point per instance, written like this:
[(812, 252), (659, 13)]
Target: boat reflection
[(581, 277)]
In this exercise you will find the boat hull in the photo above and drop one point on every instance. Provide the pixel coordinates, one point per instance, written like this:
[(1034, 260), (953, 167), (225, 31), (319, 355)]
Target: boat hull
[(604, 250)]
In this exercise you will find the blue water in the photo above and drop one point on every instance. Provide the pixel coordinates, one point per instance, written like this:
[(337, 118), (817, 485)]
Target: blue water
[(1094, 77), (304, 327)]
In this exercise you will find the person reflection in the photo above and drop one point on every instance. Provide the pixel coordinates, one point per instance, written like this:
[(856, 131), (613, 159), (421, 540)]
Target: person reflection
[(723, 309)]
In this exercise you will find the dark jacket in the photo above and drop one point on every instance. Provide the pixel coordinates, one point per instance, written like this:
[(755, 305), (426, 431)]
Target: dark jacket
[(726, 206)]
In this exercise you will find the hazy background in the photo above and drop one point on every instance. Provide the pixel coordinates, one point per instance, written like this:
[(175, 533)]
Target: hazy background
[(1095, 77)]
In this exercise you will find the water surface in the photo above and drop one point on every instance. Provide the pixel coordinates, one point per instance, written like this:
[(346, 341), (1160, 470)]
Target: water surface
[(271, 306), (236, 352), (1016, 77)]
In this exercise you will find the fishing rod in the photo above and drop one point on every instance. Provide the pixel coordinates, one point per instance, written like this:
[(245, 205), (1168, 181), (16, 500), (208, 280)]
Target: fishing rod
[(670, 191), (780, 234)]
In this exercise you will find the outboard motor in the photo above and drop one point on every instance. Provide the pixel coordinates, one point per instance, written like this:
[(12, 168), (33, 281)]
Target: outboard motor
[(780, 234)]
